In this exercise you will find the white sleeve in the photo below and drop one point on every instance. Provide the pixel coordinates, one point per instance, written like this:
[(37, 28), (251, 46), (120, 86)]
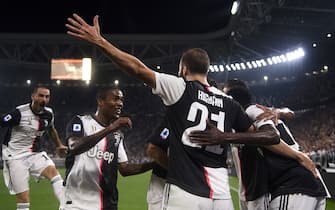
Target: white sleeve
[(170, 88), (253, 111), (122, 155)]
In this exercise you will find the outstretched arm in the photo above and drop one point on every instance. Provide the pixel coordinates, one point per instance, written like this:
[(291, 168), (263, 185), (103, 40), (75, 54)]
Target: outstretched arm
[(79, 28), (126, 169), (274, 114), (265, 135), (285, 150), (78, 145)]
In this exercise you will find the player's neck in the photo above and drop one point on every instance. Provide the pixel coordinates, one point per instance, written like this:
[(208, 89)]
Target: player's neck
[(199, 77)]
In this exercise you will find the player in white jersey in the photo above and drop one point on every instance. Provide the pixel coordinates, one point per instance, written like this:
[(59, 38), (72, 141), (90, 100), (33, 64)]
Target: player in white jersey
[(96, 154), (197, 176), (21, 150)]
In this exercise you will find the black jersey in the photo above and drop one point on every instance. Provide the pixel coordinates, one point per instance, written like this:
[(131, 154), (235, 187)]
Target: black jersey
[(160, 138), (287, 176), (200, 170)]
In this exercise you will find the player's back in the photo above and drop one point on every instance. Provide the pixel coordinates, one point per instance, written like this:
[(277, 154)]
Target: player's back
[(201, 170)]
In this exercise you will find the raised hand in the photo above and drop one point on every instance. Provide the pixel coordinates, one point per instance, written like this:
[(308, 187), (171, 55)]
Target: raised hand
[(268, 114), (79, 28)]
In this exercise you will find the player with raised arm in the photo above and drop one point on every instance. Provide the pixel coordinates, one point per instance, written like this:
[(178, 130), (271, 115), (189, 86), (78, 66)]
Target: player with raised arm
[(197, 175)]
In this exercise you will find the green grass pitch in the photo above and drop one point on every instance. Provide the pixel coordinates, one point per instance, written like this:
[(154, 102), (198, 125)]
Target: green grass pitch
[(132, 194)]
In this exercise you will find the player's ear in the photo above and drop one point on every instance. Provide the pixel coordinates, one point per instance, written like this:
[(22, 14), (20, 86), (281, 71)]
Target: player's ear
[(100, 102)]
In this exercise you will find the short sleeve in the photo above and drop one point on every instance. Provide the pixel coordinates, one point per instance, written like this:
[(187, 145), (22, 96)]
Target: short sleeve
[(253, 111), (10, 119), (74, 128), (170, 88), (242, 122), (122, 155)]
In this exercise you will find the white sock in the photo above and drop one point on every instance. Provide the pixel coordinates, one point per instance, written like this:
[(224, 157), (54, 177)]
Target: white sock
[(57, 185), (22, 206)]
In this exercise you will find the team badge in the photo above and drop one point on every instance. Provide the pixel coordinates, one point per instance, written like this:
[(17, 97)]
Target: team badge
[(76, 127), (7, 117)]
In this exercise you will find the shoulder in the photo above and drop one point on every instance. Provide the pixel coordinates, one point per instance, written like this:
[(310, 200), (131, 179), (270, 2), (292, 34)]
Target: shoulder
[(23, 108)]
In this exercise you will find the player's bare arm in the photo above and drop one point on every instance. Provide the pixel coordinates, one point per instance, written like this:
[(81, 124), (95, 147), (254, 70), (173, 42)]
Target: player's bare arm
[(159, 155), (283, 149), (274, 114), (265, 135), (79, 28), (126, 169), (60, 148), (78, 145)]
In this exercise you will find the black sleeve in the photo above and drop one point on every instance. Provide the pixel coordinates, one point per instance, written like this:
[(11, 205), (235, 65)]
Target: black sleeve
[(160, 136), (10, 119), (74, 128), (242, 122)]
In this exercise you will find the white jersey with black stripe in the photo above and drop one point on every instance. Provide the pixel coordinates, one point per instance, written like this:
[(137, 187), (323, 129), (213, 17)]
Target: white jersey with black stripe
[(25, 130)]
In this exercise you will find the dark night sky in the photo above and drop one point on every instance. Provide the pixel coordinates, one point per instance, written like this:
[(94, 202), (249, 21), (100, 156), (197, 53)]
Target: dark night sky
[(117, 16)]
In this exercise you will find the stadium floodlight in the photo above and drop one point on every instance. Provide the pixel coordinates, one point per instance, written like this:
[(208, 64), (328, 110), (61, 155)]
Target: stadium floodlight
[(158, 67), (283, 58), (28, 81), (329, 35), (87, 82), (216, 68), (228, 68), (274, 60), (116, 82), (243, 66), (254, 64), (58, 82), (238, 67), (266, 78), (269, 61), (235, 7), (314, 45), (259, 63), (211, 68), (233, 67), (221, 68), (263, 62), (325, 67), (249, 65)]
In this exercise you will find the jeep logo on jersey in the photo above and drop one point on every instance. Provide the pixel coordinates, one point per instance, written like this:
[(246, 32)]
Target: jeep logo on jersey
[(95, 153), (7, 117)]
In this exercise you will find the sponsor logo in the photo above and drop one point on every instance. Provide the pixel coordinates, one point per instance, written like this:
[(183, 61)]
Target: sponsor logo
[(76, 127), (95, 153), (165, 133)]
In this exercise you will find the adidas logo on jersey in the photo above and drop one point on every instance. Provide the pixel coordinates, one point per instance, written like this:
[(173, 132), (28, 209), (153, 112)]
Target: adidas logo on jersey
[(95, 153)]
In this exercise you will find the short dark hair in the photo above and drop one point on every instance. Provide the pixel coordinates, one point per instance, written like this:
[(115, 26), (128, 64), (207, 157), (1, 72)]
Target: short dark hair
[(232, 83), (39, 86), (196, 60), (103, 92), (241, 95)]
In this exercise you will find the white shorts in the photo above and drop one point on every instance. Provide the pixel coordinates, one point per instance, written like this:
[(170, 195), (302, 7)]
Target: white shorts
[(261, 203), (175, 198), (155, 192), (298, 202), (16, 172)]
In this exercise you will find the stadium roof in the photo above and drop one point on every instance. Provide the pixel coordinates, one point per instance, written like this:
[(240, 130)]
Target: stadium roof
[(157, 31)]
